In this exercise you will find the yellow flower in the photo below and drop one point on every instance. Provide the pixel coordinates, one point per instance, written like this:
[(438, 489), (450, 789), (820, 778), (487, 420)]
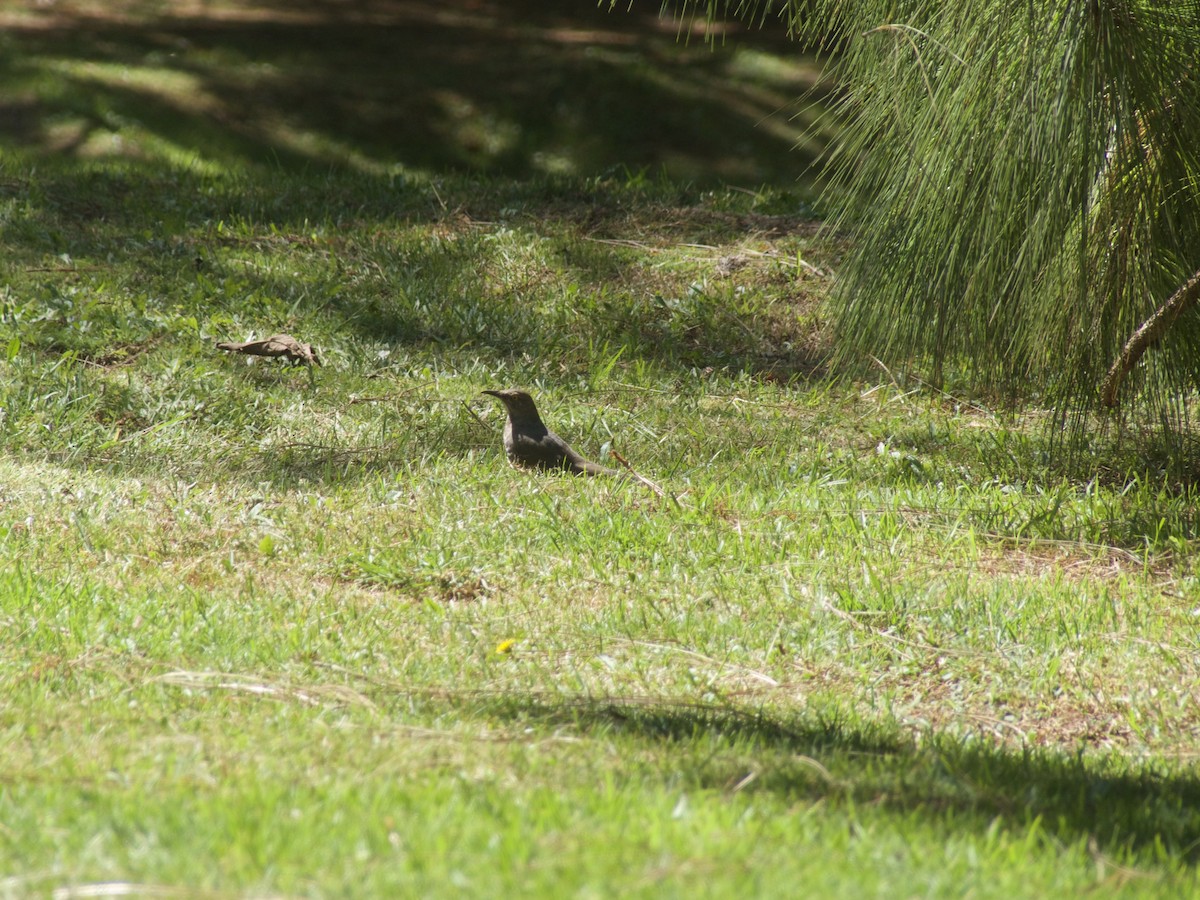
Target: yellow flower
[(505, 646)]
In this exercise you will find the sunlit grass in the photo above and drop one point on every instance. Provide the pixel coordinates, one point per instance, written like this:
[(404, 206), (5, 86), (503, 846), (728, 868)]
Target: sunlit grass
[(263, 632), (267, 634)]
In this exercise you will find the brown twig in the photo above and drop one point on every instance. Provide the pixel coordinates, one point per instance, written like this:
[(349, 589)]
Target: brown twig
[(642, 478), (475, 416), (335, 451), (1147, 335), (66, 268)]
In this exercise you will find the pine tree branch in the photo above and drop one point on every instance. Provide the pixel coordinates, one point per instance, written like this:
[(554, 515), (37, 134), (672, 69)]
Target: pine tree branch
[(1148, 334)]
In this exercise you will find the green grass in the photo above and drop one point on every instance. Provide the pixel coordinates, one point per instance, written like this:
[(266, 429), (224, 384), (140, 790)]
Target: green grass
[(267, 636)]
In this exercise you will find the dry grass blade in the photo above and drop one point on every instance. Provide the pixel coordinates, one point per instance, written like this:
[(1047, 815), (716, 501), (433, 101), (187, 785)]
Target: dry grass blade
[(130, 889), (319, 695), (757, 676), (642, 478)]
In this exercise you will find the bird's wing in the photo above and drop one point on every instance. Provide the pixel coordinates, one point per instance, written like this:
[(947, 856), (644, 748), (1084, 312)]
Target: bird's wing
[(267, 347), (281, 345), (274, 346)]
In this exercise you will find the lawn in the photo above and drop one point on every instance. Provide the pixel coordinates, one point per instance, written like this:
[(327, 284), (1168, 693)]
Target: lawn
[(272, 632)]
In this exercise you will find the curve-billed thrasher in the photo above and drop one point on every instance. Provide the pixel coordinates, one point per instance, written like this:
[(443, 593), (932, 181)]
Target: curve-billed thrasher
[(528, 442), (276, 345)]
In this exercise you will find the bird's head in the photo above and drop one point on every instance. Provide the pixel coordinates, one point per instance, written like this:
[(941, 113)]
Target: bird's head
[(518, 403)]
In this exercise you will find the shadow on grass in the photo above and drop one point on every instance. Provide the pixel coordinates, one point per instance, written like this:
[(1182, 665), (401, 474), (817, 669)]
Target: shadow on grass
[(1113, 805), (530, 269), (153, 269), (169, 138), (1122, 484), (505, 87)]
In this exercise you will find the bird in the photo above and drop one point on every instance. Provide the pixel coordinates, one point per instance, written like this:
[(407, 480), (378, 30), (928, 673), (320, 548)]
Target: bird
[(276, 345), (529, 443)]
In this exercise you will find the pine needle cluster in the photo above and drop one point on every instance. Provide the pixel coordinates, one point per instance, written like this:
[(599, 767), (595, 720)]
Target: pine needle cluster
[(1022, 186)]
